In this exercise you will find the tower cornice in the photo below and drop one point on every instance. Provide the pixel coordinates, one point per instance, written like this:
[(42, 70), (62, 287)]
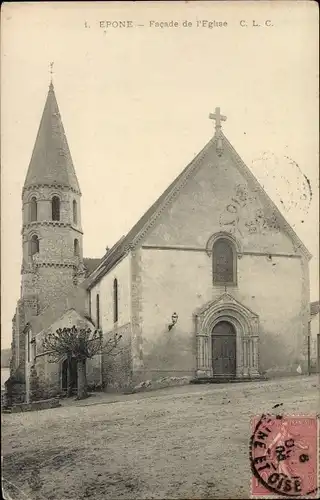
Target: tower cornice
[(49, 223), (32, 267), (61, 187)]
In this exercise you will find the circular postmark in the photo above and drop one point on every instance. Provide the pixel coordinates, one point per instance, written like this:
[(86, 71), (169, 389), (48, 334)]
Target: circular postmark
[(283, 455), (284, 176)]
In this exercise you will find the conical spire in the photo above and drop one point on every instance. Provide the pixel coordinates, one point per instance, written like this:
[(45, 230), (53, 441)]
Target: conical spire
[(51, 162)]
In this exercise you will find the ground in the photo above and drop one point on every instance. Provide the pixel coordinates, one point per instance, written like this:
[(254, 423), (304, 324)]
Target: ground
[(185, 442)]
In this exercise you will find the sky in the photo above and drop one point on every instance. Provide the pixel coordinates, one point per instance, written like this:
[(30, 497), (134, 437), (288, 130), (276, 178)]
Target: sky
[(135, 102)]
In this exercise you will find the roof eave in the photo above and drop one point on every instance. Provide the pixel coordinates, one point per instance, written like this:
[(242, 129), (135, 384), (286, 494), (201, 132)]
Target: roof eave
[(92, 280), (107, 263)]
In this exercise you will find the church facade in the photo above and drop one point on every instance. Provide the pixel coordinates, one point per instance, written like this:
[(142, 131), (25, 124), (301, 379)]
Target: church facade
[(211, 282)]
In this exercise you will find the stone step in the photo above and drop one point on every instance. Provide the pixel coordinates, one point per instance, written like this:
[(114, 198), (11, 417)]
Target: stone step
[(224, 380)]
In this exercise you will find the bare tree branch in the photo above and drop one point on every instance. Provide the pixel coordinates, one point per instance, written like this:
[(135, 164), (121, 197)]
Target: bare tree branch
[(79, 343)]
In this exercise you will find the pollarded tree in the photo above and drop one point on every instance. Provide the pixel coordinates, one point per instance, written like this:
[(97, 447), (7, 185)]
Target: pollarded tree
[(58, 346), (81, 344)]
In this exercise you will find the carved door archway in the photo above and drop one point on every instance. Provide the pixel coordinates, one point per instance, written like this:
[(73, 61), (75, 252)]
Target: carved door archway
[(227, 335)]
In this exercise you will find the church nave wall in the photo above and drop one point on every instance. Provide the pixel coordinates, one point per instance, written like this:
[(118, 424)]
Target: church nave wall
[(181, 281), (105, 289)]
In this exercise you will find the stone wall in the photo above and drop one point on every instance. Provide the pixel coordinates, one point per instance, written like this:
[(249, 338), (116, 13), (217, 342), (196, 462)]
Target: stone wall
[(105, 290), (74, 298), (51, 272), (48, 277), (176, 270), (260, 288), (314, 333), (117, 366), (26, 309), (136, 308), (37, 405), (44, 195), (50, 373)]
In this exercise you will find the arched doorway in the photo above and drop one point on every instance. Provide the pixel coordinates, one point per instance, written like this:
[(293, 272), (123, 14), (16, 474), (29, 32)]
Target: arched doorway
[(73, 375), (224, 346)]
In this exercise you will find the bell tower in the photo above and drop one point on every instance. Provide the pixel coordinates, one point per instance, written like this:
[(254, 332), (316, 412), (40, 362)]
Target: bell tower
[(52, 260)]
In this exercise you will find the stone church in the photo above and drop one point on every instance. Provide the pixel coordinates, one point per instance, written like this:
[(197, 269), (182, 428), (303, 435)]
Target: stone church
[(211, 282)]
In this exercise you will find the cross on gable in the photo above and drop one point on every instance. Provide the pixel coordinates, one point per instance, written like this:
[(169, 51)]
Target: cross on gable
[(218, 118)]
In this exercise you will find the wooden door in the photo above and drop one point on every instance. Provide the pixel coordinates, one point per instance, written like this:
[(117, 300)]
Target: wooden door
[(73, 382), (224, 350)]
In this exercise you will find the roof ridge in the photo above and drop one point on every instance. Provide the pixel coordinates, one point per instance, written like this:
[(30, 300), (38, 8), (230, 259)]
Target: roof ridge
[(131, 239), (138, 231), (173, 189)]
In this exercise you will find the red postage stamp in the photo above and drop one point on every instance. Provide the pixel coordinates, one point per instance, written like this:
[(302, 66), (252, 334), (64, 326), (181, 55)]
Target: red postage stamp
[(284, 456)]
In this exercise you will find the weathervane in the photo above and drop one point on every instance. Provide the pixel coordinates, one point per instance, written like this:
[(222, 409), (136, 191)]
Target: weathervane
[(218, 118)]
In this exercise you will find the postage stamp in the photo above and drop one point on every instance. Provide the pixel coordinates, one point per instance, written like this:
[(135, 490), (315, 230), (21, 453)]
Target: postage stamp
[(284, 456)]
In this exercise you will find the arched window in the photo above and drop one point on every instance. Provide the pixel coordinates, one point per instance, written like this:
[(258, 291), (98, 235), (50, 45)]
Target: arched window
[(75, 212), (34, 245), (34, 349), (90, 312), (33, 209), (115, 300), (224, 262), (28, 343), (55, 204), (98, 310), (76, 250)]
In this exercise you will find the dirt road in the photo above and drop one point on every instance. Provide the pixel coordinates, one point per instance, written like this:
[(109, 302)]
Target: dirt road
[(188, 442)]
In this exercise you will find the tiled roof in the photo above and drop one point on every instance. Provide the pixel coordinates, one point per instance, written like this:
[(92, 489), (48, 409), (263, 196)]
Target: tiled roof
[(110, 258), (71, 298), (314, 307), (90, 264), (51, 161), (119, 250)]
